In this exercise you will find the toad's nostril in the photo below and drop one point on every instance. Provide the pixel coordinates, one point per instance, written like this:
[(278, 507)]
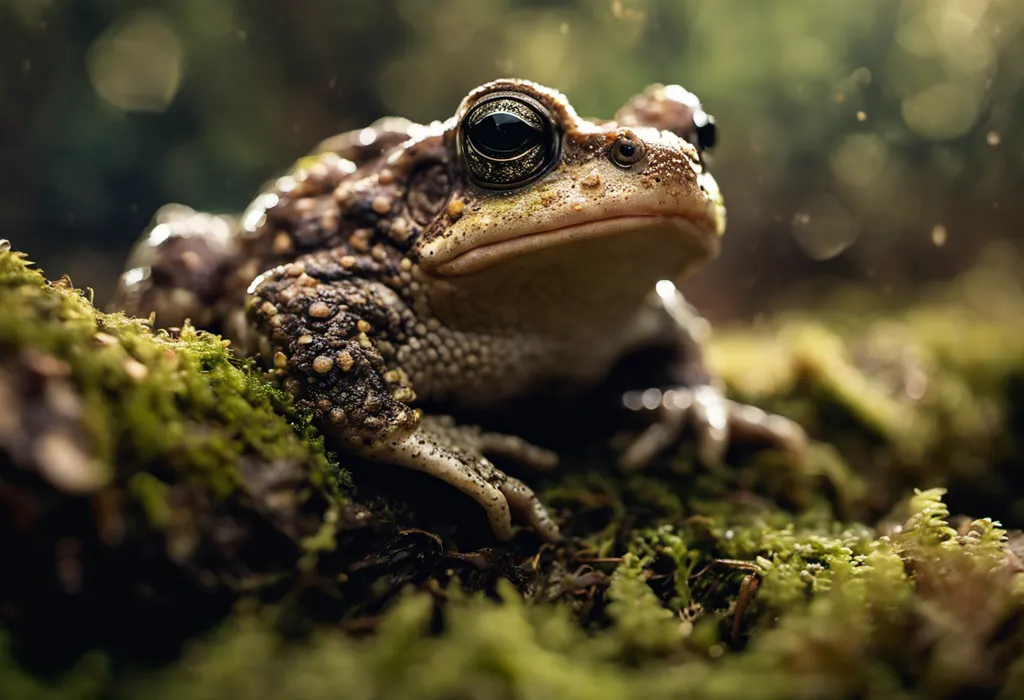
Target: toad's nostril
[(627, 150)]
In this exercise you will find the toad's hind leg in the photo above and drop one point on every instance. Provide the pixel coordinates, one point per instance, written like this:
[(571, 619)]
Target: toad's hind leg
[(692, 398), (178, 269)]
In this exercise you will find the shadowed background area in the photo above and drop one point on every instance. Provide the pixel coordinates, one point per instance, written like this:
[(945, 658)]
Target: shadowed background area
[(878, 142)]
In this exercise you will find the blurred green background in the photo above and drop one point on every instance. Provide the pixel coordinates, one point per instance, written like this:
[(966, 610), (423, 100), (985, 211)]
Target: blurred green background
[(875, 142)]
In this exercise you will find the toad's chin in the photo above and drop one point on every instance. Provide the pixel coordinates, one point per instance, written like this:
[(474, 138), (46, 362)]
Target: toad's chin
[(575, 284), (679, 240)]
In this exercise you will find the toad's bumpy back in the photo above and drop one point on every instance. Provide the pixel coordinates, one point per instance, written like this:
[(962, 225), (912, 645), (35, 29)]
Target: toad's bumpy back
[(195, 266)]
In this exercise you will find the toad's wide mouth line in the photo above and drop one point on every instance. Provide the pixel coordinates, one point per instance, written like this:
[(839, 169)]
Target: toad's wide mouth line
[(702, 234)]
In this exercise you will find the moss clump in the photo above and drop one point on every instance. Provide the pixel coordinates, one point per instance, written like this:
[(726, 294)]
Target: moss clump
[(140, 471), (929, 393), (926, 614), (865, 585), (181, 400)]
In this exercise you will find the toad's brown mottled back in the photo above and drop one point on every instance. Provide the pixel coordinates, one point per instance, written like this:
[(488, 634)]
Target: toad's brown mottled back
[(473, 264)]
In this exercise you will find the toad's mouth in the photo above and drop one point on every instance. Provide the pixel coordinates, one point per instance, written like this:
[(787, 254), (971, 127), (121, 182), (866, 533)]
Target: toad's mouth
[(701, 237)]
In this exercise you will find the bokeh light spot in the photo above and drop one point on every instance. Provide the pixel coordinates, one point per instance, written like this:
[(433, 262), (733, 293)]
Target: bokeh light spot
[(137, 64), (943, 111), (859, 159), (823, 228)]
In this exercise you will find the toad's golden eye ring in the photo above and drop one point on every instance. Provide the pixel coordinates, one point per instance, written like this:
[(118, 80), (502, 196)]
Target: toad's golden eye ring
[(507, 140)]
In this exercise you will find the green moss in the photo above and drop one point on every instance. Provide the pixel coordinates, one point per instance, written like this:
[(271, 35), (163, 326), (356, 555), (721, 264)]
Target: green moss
[(919, 395), (643, 626), (867, 586), (856, 625), (152, 494), (152, 478), (183, 403), (90, 678)]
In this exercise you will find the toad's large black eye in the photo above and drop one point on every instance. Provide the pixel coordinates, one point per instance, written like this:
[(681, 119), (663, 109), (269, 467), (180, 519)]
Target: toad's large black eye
[(507, 141), (705, 129)]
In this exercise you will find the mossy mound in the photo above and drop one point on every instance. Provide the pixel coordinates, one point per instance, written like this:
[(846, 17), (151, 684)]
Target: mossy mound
[(146, 478), (927, 393), (184, 491)]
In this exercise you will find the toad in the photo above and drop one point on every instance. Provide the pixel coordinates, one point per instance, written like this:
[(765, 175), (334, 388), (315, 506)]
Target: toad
[(504, 262)]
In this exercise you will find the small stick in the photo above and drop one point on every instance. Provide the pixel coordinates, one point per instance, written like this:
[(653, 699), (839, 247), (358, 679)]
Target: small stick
[(748, 586)]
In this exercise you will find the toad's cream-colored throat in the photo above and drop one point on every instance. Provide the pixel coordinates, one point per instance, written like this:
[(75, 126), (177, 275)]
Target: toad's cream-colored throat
[(696, 234), (580, 299)]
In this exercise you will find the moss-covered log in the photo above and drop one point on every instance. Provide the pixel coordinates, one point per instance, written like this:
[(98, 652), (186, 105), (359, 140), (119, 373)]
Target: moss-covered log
[(154, 489), (147, 480)]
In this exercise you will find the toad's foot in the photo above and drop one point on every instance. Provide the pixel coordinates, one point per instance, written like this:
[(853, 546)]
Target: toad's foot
[(716, 420), (455, 454)]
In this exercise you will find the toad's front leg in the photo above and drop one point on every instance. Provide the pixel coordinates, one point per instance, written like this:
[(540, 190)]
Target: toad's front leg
[(334, 341), (690, 397), (455, 454)]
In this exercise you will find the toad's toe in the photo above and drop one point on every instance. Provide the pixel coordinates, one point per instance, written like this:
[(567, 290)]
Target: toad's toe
[(452, 453), (523, 500)]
